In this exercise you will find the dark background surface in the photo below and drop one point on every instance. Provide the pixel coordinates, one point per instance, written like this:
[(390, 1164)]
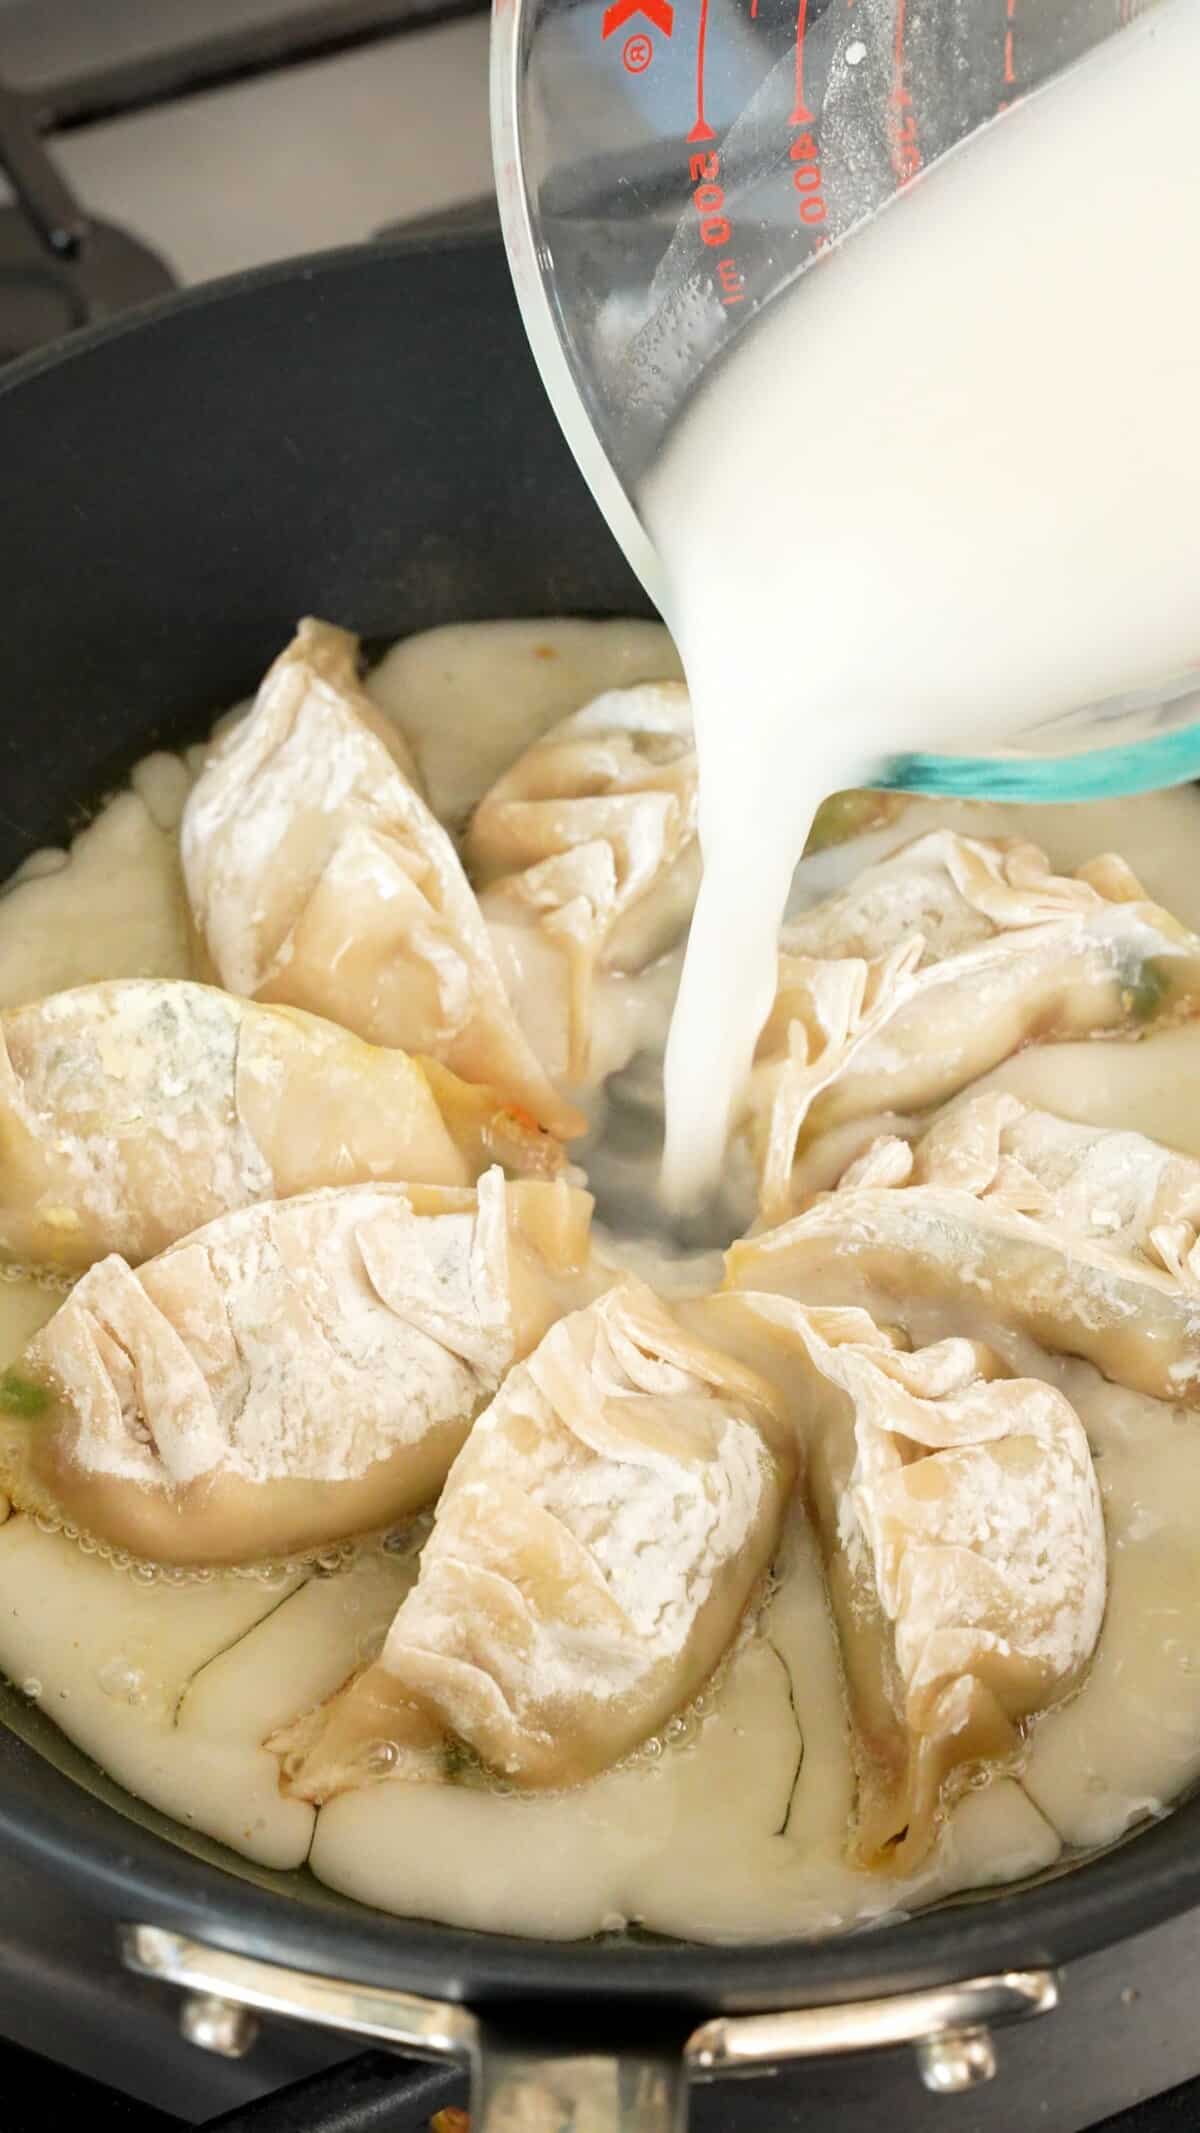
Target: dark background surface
[(375, 2099)]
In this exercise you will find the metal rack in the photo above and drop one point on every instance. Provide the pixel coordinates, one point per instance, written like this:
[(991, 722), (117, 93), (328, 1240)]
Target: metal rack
[(62, 268)]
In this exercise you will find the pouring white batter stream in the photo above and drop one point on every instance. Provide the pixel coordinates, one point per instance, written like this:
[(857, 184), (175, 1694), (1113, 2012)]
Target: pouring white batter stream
[(948, 486)]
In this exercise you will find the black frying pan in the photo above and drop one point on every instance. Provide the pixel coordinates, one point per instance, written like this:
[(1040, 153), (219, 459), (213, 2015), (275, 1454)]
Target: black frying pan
[(364, 435)]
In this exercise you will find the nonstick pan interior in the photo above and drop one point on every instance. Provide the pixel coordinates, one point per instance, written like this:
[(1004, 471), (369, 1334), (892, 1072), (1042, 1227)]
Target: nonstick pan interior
[(364, 436)]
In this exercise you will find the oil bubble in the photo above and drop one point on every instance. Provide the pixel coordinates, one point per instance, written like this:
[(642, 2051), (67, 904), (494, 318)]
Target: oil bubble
[(122, 1680), (380, 1757)]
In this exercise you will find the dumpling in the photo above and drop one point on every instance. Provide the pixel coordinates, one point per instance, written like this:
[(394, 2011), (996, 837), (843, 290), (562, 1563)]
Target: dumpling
[(133, 1112), (586, 859), (1146, 1087), (291, 1374), (595, 1546), (1092, 1186), (1108, 1185), (937, 964), (469, 696), (319, 878), (1082, 1238), (964, 1543)]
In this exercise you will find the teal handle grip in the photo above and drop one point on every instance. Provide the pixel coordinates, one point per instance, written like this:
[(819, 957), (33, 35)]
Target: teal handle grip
[(1100, 774)]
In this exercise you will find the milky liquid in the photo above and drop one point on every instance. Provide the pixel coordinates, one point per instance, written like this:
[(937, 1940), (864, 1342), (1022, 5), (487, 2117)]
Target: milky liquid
[(732, 1825), (948, 485)]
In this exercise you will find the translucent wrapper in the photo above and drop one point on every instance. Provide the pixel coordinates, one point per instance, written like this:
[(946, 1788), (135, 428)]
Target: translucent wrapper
[(586, 858), (936, 965), (596, 1544), (136, 1111), (964, 1545), (319, 878), (291, 1374)]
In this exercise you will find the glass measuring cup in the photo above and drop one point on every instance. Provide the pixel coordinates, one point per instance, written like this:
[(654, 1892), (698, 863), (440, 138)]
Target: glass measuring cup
[(665, 168)]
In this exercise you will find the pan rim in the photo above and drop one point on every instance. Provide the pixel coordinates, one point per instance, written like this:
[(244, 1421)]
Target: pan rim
[(224, 288), (112, 1863)]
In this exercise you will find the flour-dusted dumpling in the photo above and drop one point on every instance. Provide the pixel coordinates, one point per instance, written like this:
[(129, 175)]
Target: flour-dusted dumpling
[(1146, 1087), (586, 859), (1092, 1186), (965, 1553), (470, 696), (937, 964), (319, 878), (1006, 1218), (133, 1112), (1107, 1185), (596, 1544), (291, 1374)]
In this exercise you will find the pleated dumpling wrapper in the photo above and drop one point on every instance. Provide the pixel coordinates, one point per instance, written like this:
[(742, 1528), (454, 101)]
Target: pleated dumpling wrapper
[(290, 1375), (1107, 1185), (936, 965), (587, 862), (1082, 1237), (961, 1525), (318, 878), (135, 1111), (595, 1546)]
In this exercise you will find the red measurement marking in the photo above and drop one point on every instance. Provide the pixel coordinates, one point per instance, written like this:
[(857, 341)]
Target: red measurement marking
[(708, 199), (729, 281), (658, 12), (637, 53), (801, 115), (701, 131), (906, 148), (898, 46), (1010, 70), (805, 158)]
